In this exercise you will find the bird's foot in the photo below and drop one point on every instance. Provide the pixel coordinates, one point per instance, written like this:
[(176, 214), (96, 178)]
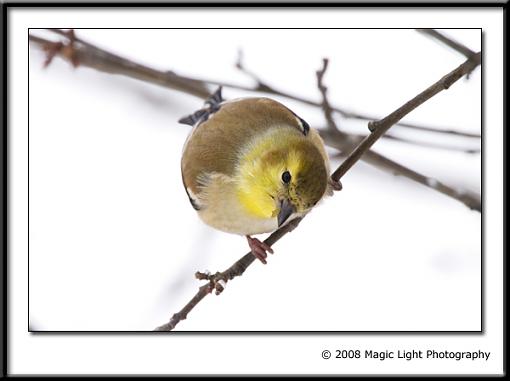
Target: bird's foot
[(259, 249)]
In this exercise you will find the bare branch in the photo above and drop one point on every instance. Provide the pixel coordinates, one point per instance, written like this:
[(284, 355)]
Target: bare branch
[(378, 128), (218, 281), (79, 52), (264, 87), (89, 55), (345, 142), (85, 54)]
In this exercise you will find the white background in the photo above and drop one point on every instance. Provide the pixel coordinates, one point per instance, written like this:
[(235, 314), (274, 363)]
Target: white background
[(114, 243), (110, 220)]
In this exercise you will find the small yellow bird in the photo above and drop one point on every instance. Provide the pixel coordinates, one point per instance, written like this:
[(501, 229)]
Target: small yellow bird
[(250, 165)]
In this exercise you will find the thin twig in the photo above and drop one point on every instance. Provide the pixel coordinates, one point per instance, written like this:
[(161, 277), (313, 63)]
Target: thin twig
[(342, 140), (346, 142), (263, 86), (333, 137), (377, 128), (78, 51), (326, 107)]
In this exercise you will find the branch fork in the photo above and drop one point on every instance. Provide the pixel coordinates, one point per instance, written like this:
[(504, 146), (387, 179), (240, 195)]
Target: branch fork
[(67, 50), (217, 281)]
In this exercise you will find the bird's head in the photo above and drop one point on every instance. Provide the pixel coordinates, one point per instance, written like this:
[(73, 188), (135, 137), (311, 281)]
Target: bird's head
[(284, 176)]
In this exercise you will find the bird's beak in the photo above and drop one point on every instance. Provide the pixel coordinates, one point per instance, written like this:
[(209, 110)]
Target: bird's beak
[(286, 210)]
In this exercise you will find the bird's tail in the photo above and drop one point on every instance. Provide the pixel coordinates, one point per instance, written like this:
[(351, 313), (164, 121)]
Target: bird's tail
[(211, 105)]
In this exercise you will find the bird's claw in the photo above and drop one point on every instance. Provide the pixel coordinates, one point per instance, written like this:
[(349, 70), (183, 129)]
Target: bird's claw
[(259, 249), (336, 185)]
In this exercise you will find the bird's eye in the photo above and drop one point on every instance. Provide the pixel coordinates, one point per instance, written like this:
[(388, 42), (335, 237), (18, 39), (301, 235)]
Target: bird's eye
[(286, 177)]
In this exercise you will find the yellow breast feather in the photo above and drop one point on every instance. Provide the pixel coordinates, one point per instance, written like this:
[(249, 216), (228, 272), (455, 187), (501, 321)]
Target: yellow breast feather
[(260, 166)]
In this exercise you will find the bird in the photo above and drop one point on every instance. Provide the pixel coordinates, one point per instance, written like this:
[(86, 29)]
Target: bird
[(251, 165)]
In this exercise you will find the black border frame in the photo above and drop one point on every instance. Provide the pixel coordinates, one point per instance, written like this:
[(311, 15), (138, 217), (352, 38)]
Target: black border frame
[(5, 137)]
